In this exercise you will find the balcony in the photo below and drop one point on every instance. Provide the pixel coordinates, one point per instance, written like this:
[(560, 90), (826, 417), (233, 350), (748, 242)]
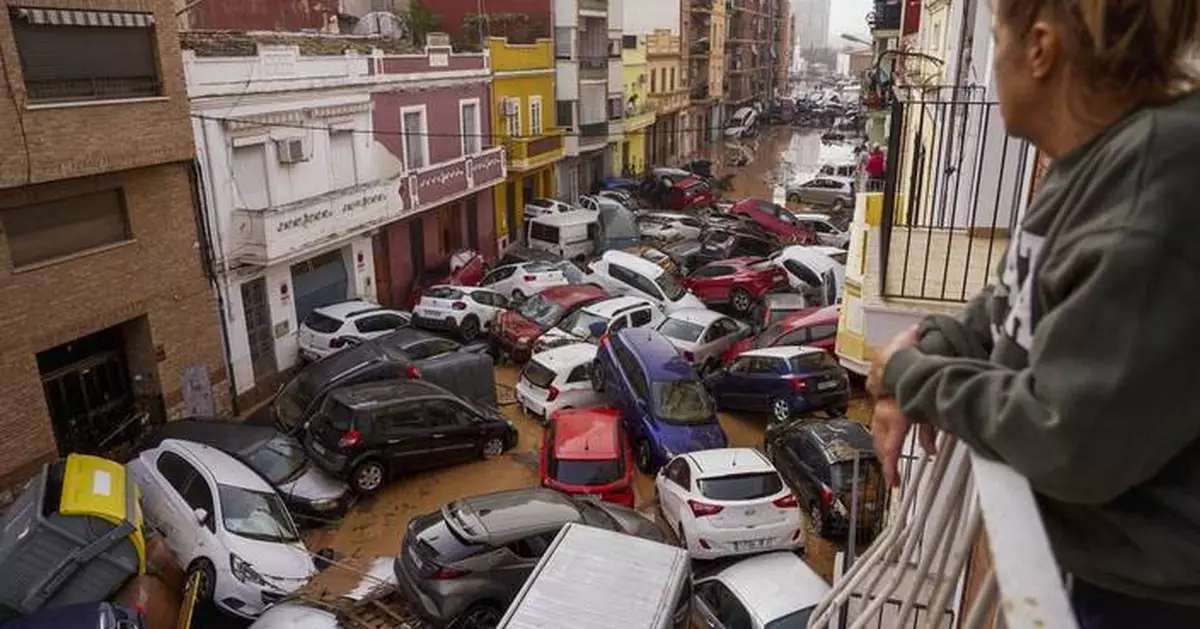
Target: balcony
[(525, 154), (598, 6), (640, 118), (964, 548), (593, 67), (886, 16)]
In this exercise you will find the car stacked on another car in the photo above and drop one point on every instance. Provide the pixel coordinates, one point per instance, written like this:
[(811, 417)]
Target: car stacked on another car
[(515, 331), (621, 273), (558, 378), (467, 311), (524, 279), (543, 207), (739, 282), (815, 327), (325, 329), (589, 323), (465, 267), (586, 452), (723, 244), (784, 381), (745, 595), (702, 335), (776, 307), (776, 219)]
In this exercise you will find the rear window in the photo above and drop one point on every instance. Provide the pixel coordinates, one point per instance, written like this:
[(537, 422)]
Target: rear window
[(444, 292), (813, 361), (444, 544), (842, 474), (740, 486), (681, 330), (586, 472), (544, 233), (324, 324), (538, 374), (338, 415), (540, 267)]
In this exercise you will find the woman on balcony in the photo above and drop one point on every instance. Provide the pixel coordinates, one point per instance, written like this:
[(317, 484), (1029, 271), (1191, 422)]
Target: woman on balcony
[(1080, 366)]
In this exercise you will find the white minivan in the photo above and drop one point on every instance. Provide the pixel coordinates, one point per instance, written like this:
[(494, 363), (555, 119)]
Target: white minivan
[(570, 235), (622, 273)]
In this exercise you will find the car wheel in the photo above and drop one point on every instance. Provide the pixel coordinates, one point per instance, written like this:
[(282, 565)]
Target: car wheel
[(517, 295), (644, 457), (741, 300), (793, 198), (781, 411), (469, 328), (481, 616), (493, 448), (208, 579), (597, 377), (368, 476), (816, 519)]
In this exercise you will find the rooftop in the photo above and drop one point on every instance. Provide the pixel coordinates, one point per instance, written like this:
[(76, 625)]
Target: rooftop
[(207, 43)]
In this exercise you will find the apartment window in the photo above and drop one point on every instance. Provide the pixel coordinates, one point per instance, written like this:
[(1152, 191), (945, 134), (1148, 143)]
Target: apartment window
[(564, 114), (250, 176), (654, 81), (562, 42), (535, 116), (69, 55), (593, 38), (55, 229), (416, 138), (593, 101), (512, 117), (468, 120), (615, 107), (341, 159), (629, 42), (672, 88)]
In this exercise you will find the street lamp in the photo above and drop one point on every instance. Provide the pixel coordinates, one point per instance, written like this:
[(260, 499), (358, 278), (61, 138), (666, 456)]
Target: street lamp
[(856, 39)]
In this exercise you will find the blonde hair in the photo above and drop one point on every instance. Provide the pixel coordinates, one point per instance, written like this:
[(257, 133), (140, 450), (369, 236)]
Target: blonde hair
[(1147, 50)]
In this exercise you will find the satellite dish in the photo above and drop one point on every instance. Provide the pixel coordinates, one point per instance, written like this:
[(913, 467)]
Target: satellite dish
[(382, 24)]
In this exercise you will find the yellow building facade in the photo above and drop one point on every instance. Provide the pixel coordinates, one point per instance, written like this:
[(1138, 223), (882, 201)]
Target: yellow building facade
[(639, 115), (522, 95), (668, 97)]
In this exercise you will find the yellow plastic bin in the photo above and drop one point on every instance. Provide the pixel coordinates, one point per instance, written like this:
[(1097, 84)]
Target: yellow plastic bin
[(73, 536)]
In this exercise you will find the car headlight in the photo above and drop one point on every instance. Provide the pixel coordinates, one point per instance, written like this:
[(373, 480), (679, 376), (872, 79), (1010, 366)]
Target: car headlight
[(244, 572), (324, 504)]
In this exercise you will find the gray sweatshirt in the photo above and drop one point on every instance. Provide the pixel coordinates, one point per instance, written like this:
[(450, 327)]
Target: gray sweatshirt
[(1088, 378)]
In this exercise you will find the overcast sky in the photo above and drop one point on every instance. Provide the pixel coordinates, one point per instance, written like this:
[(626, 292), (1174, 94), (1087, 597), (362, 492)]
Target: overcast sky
[(848, 16)]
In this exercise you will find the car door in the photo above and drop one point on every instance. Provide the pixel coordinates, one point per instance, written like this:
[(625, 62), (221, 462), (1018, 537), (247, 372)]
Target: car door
[(201, 494), (371, 326), (675, 488), (706, 282), (405, 441), (489, 304), (500, 280), (452, 434), (168, 477), (730, 387)]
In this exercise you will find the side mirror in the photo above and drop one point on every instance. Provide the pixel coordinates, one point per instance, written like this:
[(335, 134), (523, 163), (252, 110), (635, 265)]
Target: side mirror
[(201, 515)]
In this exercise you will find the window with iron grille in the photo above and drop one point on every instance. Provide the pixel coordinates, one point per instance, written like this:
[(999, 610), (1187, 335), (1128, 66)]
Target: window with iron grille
[(564, 114), (86, 55), (56, 229)]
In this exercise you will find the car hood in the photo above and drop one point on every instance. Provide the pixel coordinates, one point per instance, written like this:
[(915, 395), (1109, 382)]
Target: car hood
[(632, 522), (514, 325), (285, 566), (680, 439), (314, 485)]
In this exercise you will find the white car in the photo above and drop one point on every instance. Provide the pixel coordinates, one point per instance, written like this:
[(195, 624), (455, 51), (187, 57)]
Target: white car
[(669, 226), (827, 233), (558, 378), (589, 323), (324, 330), (811, 270), (221, 519), (544, 207), (747, 594), (467, 310), (522, 280), (728, 501), (702, 335), (622, 273)]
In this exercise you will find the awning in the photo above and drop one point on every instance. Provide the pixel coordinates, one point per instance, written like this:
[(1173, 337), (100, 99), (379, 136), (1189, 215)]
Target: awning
[(72, 17)]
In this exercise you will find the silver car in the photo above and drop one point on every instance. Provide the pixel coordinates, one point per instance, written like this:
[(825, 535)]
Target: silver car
[(464, 564), (834, 192), (702, 335)]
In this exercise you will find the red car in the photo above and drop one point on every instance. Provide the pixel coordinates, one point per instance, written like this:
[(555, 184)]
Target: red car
[(815, 327), (689, 194), (514, 331), (777, 220), (462, 268), (740, 282), (586, 451)]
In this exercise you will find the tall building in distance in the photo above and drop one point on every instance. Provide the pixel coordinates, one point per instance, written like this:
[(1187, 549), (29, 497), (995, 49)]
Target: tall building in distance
[(812, 23)]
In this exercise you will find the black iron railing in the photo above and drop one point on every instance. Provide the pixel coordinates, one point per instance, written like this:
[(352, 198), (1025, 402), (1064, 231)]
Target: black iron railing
[(886, 15), (954, 186), (593, 129)]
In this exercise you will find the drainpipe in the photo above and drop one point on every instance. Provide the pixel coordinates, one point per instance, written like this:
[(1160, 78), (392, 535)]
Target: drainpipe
[(219, 278)]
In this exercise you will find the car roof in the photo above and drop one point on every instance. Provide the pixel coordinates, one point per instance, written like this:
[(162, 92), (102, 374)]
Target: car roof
[(843, 439), (633, 262), (783, 351), (570, 217), (504, 516), (811, 316), (566, 356), (231, 436), (375, 393), (545, 202), (785, 300), (571, 294), (657, 354), (402, 338), (699, 316), (224, 468), (727, 461), (811, 216), (774, 584), (587, 434), (609, 307), (346, 309)]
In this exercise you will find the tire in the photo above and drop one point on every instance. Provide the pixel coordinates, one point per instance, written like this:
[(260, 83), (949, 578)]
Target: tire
[(793, 198), (644, 457), (517, 295), (492, 448), (479, 616), (597, 377), (469, 329), (741, 300), (816, 519), (208, 579), (780, 410), (368, 477)]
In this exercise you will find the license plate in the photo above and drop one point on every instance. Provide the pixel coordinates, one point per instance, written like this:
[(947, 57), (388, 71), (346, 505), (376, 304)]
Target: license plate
[(828, 384), (596, 497), (752, 544), (427, 313)]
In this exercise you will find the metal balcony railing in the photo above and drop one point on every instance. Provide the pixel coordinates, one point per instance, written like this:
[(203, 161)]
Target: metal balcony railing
[(593, 129), (954, 186), (886, 15), (593, 62), (916, 571)]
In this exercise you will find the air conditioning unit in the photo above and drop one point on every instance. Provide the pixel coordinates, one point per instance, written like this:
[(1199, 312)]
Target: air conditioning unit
[(291, 150), (511, 107)]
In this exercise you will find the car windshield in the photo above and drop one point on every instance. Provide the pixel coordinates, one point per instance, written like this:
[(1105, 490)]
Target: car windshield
[(795, 620), (769, 335), (740, 486), (586, 471), (256, 515), (278, 460), (682, 402), (293, 400), (681, 330), (570, 271), (671, 286), (541, 311), (580, 322)]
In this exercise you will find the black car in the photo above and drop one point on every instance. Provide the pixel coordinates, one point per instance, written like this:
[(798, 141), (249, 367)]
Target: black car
[(722, 245), (279, 458), (816, 459), (401, 355), (369, 433)]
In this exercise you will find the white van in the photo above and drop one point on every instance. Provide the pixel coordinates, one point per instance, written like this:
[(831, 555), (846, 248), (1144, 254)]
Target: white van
[(741, 123), (600, 579), (570, 235)]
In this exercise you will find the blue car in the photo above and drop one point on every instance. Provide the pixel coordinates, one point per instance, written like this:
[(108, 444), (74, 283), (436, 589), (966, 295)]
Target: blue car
[(783, 381), (663, 404)]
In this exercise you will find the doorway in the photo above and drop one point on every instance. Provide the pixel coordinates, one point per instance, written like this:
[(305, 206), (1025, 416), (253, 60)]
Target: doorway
[(89, 393), (257, 313), (510, 210)]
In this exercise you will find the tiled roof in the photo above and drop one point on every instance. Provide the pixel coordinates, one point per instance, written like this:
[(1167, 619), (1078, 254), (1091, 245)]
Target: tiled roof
[(244, 43)]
